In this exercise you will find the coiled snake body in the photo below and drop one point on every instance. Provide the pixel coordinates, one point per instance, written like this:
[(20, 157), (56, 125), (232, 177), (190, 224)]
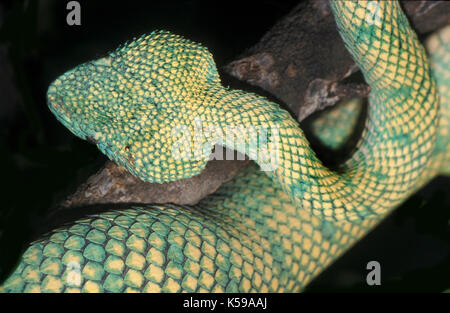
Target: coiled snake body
[(269, 231)]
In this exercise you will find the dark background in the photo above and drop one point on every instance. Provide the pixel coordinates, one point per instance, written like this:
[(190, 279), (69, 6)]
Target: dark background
[(41, 160)]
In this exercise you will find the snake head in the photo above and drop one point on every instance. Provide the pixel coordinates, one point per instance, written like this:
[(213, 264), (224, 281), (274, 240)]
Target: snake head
[(132, 103)]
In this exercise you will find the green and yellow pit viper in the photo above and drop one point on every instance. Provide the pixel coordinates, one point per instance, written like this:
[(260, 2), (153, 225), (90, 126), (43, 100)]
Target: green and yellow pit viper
[(266, 231)]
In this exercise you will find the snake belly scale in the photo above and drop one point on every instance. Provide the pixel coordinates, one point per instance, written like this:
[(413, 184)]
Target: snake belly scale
[(269, 231)]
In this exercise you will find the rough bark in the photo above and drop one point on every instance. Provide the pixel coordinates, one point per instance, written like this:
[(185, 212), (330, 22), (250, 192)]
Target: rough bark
[(301, 61), (113, 184)]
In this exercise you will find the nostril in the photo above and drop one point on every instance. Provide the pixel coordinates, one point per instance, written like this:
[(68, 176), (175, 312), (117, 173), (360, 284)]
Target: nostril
[(54, 101), (58, 105)]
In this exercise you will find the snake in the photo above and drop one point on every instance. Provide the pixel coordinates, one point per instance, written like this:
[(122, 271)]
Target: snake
[(156, 107)]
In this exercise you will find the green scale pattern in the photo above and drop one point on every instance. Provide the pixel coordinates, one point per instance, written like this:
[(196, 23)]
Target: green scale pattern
[(236, 247), (271, 231)]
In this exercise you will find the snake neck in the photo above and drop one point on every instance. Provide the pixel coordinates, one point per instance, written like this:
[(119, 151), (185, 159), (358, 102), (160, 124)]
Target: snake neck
[(268, 134), (396, 144), (368, 184)]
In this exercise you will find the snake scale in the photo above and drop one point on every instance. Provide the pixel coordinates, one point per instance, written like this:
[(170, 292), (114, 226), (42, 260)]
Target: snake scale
[(264, 231)]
